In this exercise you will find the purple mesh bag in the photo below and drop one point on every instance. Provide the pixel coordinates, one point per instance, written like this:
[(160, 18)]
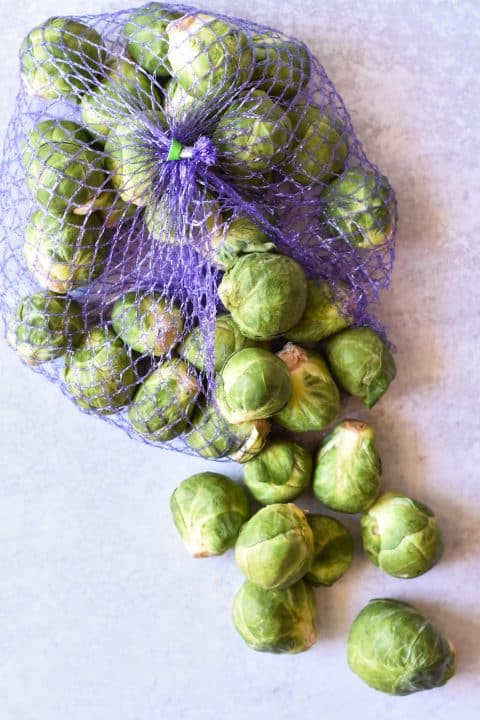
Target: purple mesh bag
[(152, 153)]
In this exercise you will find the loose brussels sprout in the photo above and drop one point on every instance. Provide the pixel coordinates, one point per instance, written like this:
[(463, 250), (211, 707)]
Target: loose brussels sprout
[(348, 468), (100, 373), (227, 340), (63, 253), (238, 237), (282, 66), (164, 401), (360, 205), (266, 294), (124, 88), (395, 649), (147, 322), (321, 147), (280, 473), (253, 135), (323, 314), (166, 228), (44, 326), (275, 547), (146, 37), (315, 401), (402, 536), (333, 550), (213, 437), (131, 163), (208, 56), (361, 363), (62, 171), (276, 621), (253, 384), (60, 58), (208, 510)]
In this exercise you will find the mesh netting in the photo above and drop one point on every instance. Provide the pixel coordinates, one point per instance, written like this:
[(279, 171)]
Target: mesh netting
[(155, 158)]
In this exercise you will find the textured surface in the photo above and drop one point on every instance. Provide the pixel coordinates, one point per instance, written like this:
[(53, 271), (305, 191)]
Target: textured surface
[(102, 613)]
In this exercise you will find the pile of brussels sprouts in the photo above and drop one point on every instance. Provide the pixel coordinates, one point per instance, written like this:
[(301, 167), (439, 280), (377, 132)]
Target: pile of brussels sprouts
[(284, 346)]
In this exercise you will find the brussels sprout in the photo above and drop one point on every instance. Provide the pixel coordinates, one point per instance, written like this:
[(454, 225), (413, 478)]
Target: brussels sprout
[(115, 210), (164, 401), (208, 56), (266, 294), (282, 66), (131, 162), (208, 510), (179, 104), (315, 401), (252, 385), (333, 550), (360, 205), (147, 322), (125, 88), (227, 340), (395, 649), (64, 173), (203, 217), (402, 536), (253, 135), (63, 253), (237, 237), (100, 374), (280, 473), (44, 326), (213, 437), (60, 58), (361, 363), (323, 314), (275, 547), (348, 468), (146, 37), (276, 621)]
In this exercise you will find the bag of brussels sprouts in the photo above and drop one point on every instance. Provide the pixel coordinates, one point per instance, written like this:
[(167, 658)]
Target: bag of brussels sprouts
[(162, 162)]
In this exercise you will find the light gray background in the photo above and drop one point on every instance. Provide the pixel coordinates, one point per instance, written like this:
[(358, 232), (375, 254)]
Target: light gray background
[(102, 613)]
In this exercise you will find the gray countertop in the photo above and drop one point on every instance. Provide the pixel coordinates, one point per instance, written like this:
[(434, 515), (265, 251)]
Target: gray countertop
[(102, 613)]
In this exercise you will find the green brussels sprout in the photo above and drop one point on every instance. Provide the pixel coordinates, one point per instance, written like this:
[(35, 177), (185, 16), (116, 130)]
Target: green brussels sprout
[(282, 66), (333, 550), (208, 510), (395, 649), (44, 326), (361, 363), (275, 547), (360, 205), (60, 58), (131, 162), (209, 57), (64, 253), (320, 148), (227, 340), (266, 294), (203, 218), (178, 103), (280, 473), (276, 621), (164, 401), (253, 135), (100, 374), (315, 401), (146, 37), (115, 210), (348, 468), (147, 322), (124, 88), (253, 384), (64, 173), (213, 437), (323, 314), (237, 237), (401, 536)]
